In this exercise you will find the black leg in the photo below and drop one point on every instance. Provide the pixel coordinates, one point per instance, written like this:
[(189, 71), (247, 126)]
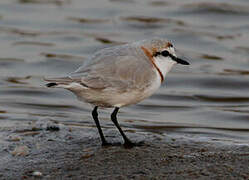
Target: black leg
[(95, 117), (127, 142)]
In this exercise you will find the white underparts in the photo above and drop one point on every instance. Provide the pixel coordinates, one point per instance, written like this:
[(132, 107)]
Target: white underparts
[(164, 64)]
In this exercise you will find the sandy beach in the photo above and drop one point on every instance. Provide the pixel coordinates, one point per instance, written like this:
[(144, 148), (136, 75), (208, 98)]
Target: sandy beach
[(75, 153)]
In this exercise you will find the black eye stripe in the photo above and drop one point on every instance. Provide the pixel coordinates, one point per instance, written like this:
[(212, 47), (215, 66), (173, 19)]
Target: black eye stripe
[(157, 54), (164, 53)]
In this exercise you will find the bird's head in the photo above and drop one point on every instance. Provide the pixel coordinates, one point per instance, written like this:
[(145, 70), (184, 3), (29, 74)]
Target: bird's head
[(162, 54)]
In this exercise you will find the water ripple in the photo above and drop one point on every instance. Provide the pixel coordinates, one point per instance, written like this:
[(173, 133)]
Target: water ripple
[(218, 8), (210, 97)]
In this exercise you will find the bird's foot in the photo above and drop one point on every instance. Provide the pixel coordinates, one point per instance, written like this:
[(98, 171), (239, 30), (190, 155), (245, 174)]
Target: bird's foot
[(129, 144), (107, 144)]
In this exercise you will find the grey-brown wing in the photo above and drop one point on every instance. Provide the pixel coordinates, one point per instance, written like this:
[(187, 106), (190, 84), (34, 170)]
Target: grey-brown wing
[(119, 72)]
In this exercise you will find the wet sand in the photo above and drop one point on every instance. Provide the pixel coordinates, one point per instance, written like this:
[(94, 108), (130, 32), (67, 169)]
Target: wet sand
[(75, 153)]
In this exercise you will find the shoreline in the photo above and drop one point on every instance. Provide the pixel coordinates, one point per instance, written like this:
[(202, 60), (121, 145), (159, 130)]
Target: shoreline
[(76, 153)]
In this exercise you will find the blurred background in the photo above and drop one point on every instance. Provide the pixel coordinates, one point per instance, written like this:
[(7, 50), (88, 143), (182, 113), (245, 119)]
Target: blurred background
[(208, 99)]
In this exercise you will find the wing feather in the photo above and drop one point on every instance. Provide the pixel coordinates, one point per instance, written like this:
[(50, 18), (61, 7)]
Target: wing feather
[(121, 67)]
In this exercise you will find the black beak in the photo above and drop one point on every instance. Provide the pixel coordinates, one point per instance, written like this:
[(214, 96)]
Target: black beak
[(178, 60), (181, 61)]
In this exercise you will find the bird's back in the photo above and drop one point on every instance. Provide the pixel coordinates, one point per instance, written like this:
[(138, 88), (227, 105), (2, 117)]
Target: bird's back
[(118, 67)]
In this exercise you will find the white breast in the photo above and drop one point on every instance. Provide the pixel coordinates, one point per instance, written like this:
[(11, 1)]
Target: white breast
[(164, 64)]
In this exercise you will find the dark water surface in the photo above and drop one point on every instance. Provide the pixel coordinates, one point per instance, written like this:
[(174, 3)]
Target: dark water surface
[(209, 99)]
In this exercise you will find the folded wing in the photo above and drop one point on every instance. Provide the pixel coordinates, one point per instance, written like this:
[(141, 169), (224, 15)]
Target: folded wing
[(112, 68)]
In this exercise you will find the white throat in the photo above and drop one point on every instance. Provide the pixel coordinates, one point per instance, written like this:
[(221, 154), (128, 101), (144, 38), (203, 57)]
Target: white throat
[(164, 64)]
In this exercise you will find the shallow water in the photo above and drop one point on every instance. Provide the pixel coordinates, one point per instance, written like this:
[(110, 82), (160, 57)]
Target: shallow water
[(44, 38)]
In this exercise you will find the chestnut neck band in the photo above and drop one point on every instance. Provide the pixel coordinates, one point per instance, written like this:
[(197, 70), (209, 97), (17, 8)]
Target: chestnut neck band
[(149, 55)]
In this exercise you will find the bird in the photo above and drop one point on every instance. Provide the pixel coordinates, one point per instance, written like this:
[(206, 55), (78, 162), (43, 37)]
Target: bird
[(119, 76)]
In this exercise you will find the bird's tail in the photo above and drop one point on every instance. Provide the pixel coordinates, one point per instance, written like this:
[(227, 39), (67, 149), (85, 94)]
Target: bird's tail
[(51, 84), (58, 82)]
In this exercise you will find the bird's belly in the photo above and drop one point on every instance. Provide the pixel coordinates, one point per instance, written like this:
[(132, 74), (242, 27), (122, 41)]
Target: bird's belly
[(113, 98), (134, 97)]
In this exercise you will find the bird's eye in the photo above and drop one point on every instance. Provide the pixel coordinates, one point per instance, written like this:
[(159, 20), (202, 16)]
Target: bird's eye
[(165, 53)]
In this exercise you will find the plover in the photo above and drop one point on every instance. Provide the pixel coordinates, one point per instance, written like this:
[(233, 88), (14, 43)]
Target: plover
[(120, 76)]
